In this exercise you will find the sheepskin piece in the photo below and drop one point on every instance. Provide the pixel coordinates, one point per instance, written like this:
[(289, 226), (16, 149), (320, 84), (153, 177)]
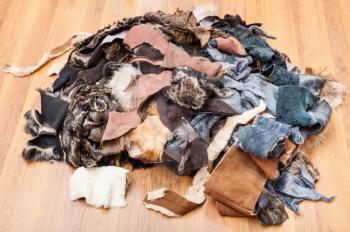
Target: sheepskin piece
[(101, 186)]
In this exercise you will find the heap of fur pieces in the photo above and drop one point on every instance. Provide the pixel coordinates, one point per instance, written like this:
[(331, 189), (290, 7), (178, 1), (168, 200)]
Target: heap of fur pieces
[(124, 92), (84, 124)]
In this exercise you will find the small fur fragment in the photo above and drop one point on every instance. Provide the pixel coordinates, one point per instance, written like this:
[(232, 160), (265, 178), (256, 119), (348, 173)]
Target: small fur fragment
[(298, 161), (34, 153), (333, 91)]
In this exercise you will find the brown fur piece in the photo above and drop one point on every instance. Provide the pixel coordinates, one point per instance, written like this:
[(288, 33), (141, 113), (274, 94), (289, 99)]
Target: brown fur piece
[(34, 153), (300, 160), (333, 91), (190, 88)]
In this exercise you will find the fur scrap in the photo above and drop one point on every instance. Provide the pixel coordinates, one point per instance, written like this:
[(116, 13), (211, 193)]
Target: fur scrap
[(101, 187), (58, 51), (190, 89)]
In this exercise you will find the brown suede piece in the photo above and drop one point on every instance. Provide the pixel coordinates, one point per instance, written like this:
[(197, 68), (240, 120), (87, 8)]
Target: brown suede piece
[(174, 56), (120, 123), (231, 45), (237, 182), (269, 166), (173, 202), (225, 210)]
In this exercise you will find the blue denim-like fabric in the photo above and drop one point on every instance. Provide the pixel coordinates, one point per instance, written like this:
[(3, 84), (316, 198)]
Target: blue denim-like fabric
[(322, 113), (255, 45), (244, 96), (293, 102), (236, 67), (203, 123), (268, 90), (263, 138), (294, 188), (280, 76)]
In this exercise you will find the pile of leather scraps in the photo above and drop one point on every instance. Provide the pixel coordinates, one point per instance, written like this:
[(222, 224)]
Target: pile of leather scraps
[(202, 95)]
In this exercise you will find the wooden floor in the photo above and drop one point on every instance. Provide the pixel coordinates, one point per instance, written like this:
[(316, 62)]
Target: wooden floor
[(34, 197)]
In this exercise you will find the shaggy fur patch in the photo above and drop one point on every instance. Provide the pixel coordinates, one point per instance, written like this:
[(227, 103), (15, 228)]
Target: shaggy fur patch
[(190, 88), (101, 187), (35, 153)]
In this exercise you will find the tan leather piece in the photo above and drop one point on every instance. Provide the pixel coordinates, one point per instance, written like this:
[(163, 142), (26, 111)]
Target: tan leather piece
[(231, 45), (173, 56), (237, 182)]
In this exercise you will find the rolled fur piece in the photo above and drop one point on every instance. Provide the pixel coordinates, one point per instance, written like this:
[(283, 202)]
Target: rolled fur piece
[(58, 51)]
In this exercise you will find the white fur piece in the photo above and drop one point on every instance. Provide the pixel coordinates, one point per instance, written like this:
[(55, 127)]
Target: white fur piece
[(56, 68), (221, 138), (200, 12), (58, 51), (101, 186), (156, 194), (195, 192), (333, 92), (121, 89), (160, 209)]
